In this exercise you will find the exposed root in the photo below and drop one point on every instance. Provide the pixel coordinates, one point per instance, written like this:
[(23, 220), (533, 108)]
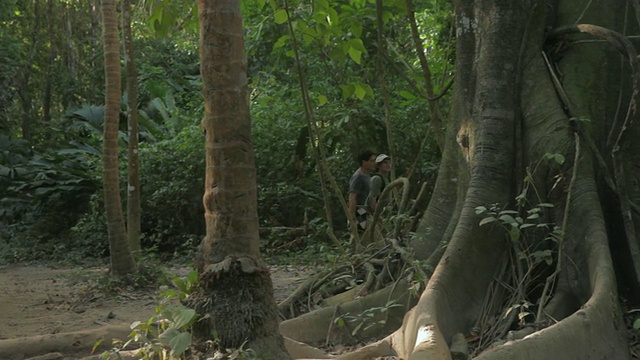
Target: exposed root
[(72, 342), (353, 322)]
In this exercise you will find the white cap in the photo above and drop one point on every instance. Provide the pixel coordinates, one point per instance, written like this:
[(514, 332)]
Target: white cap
[(381, 158)]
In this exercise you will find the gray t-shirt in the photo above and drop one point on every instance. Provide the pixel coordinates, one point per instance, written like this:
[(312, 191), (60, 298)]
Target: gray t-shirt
[(378, 183), (360, 184)]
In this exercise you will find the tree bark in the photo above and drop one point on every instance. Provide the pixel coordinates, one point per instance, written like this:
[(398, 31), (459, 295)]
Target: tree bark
[(133, 175), (236, 297), (521, 99), (122, 261), (507, 86)]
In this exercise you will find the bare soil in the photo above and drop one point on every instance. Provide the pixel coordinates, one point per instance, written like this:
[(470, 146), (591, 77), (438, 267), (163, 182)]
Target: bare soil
[(40, 300)]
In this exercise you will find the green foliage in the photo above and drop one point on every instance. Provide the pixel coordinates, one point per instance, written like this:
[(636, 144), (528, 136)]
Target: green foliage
[(37, 188), (170, 73), (89, 234), (184, 286), (515, 225), (163, 336), (166, 334), (535, 247), (10, 58), (51, 187), (172, 175), (166, 16), (418, 275)]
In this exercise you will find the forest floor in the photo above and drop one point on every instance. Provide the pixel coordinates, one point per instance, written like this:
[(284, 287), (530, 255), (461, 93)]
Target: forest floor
[(38, 300)]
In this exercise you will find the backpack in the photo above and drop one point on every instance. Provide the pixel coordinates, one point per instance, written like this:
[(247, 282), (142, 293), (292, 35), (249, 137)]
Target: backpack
[(384, 182)]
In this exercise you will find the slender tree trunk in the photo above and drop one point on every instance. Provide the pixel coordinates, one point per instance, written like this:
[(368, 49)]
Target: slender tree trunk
[(435, 122), (237, 301), (72, 55), (25, 91), (133, 190), (46, 101), (122, 261)]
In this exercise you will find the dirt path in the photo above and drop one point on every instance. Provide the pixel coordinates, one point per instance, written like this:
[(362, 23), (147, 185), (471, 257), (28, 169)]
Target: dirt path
[(38, 300)]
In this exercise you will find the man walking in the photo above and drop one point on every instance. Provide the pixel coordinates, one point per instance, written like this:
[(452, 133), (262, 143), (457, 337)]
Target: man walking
[(359, 187)]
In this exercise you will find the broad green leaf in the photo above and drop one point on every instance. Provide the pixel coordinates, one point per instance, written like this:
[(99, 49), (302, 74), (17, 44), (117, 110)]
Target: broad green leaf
[(320, 17), (508, 219), (167, 336), (368, 89), (407, 95), (281, 16), (543, 255), (307, 38), (183, 317), (332, 17), (180, 284), (282, 41), (480, 210), (322, 100), (355, 55), (347, 90), (360, 92), (180, 343), (356, 28), (487, 220), (193, 276), (357, 44), (559, 159), (636, 324)]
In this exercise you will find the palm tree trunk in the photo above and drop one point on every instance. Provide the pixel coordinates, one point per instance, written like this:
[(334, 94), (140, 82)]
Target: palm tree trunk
[(236, 300), (122, 261), (133, 190)]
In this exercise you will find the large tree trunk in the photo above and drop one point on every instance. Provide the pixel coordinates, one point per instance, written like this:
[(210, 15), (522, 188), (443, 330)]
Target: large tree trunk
[(517, 137), (236, 300), (122, 261)]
